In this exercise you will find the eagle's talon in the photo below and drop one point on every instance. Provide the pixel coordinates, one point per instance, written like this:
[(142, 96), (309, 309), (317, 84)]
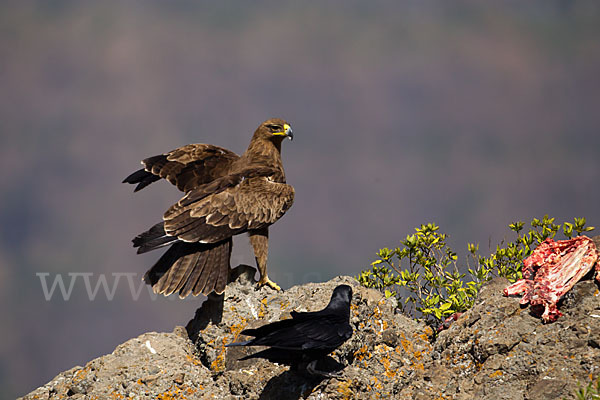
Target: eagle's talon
[(269, 283)]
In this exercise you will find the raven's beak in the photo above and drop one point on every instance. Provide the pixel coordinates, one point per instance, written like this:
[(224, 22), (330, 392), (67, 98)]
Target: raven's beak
[(288, 132)]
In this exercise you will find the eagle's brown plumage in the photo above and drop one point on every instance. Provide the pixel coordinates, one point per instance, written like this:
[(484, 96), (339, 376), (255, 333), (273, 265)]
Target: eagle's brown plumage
[(225, 195)]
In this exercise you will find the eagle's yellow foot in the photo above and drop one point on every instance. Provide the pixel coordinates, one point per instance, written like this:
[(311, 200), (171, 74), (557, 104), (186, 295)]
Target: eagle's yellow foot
[(264, 280)]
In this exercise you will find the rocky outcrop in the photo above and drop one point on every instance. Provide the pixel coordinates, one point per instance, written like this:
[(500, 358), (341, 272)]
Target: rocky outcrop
[(498, 349)]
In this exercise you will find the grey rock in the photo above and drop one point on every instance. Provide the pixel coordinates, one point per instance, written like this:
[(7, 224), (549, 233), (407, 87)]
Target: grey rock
[(498, 349)]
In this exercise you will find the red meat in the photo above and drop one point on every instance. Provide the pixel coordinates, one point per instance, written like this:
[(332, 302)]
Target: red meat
[(552, 270)]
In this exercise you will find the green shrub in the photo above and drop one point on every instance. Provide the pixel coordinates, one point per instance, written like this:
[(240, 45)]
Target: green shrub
[(426, 268), (590, 392)]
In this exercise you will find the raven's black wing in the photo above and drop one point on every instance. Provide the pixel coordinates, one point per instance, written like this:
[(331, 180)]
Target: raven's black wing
[(306, 333)]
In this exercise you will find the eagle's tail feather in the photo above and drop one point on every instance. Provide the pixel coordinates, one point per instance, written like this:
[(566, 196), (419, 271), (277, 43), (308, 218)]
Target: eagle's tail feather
[(195, 276), (215, 278), (180, 272), (191, 268)]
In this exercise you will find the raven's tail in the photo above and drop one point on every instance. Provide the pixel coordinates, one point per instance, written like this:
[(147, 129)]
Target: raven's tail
[(276, 355), (191, 268), (246, 343)]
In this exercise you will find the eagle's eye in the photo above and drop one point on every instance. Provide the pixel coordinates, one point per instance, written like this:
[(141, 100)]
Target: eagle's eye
[(274, 128)]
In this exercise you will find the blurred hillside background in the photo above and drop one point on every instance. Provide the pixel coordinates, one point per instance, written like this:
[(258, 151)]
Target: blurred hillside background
[(466, 113)]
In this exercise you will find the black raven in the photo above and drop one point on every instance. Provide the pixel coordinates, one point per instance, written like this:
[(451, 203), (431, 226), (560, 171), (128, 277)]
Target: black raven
[(307, 337)]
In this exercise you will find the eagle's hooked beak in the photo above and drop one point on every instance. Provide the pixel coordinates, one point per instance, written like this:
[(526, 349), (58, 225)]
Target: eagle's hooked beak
[(288, 131)]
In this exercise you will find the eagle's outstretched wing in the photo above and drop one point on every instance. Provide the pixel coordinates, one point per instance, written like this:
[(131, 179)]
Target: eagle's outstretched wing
[(186, 167)]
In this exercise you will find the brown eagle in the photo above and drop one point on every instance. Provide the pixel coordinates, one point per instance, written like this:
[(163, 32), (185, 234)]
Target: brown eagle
[(225, 195)]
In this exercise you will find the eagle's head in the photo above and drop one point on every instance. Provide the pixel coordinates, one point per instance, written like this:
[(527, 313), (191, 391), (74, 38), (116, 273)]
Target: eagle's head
[(275, 129)]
